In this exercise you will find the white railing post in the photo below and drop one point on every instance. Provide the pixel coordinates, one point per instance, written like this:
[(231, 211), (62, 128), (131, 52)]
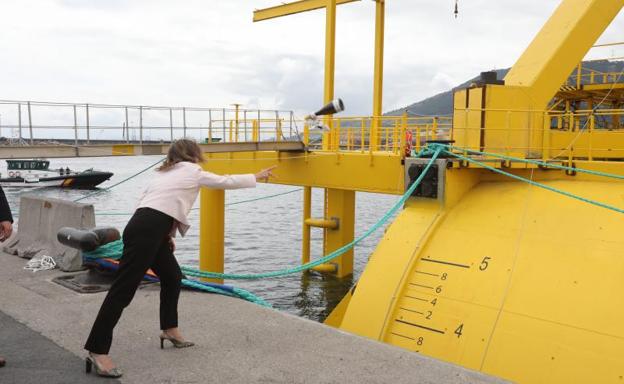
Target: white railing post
[(259, 125), (19, 119), (209, 125), (75, 126), (171, 123), (223, 123), (127, 126), (141, 125), (30, 130), (88, 123), (184, 120)]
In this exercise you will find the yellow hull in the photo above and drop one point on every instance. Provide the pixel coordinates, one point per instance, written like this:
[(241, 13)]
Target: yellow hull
[(502, 277)]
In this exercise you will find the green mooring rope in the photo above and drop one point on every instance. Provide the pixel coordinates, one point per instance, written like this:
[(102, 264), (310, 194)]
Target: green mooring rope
[(227, 204), (444, 148), (113, 250), (121, 182), (236, 292), (536, 162)]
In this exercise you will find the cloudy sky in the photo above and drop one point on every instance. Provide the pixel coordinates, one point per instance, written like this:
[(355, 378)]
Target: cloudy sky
[(209, 53)]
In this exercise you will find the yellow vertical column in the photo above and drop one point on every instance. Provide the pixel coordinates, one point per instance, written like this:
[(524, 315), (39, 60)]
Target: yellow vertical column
[(306, 134), (236, 121), (307, 213), (616, 118), (212, 231), (546, 138), (340, 205), (255, 131), (378, 75), (330, 64)]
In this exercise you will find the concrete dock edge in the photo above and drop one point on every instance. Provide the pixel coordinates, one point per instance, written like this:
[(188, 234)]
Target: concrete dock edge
[(237, 342)]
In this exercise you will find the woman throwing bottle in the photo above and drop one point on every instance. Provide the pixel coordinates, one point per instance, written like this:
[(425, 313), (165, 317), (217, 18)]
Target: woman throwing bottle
[(148, 243)]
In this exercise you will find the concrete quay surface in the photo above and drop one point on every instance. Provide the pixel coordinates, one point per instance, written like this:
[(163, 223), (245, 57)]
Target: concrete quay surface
[(44, 325)]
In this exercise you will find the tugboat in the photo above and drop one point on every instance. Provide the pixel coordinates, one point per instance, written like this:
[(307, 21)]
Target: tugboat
[(37, 173)]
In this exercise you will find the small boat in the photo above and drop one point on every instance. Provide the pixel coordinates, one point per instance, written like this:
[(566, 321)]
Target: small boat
[(37, 173)]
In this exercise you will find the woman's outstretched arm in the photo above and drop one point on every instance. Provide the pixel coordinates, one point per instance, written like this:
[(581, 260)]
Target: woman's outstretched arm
[(211, 180)]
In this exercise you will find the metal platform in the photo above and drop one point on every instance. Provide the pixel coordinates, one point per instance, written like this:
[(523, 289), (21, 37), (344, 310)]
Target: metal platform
[(99, 150)]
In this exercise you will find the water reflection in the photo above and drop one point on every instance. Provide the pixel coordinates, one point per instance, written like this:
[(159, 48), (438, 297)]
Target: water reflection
[(320, 294)]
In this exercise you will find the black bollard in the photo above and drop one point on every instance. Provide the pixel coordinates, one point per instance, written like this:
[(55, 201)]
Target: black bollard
[(86, 239)]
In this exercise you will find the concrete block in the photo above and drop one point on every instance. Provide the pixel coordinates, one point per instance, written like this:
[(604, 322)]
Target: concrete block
[(39, 221)]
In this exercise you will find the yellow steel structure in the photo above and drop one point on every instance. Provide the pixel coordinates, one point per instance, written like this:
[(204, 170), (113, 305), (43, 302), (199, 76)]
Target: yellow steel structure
[(323, 223), (379, 173), (340, 207), (305, 231), (330, 31), (560, 46), (492, 274), (502, 277), (333, 238), (293, 8), (534, 80), (380, 15), (340, 173), (212, 231), (330, 51)]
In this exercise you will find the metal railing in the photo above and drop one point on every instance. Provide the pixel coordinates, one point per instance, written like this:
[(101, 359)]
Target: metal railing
[(32, 122), (377, 134), (584, 75), (588, 76), (581, 134), (547, 135)]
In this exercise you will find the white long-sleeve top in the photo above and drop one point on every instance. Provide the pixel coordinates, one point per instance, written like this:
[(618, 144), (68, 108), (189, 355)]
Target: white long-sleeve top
[(175, 190)]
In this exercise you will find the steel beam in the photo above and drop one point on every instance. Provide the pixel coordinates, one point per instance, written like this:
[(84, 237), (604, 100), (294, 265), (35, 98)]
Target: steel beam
[(561, 44), (378, 75), (379, 173), (293, 8), (100, 150)]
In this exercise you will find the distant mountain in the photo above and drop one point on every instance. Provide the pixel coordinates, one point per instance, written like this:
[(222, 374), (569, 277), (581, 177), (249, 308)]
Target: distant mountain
[(442, 103)]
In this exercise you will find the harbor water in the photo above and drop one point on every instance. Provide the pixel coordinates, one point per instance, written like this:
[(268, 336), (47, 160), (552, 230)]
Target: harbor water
[(260, 236)]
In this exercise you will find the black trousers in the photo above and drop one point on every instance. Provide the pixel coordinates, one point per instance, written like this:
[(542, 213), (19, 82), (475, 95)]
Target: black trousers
[(146, 246)]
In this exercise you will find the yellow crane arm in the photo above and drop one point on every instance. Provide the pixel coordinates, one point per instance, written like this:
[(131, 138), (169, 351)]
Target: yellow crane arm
[(561, 44)]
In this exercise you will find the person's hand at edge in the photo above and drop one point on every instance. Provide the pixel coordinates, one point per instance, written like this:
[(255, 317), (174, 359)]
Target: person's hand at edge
[(264, 174), (6, 229)]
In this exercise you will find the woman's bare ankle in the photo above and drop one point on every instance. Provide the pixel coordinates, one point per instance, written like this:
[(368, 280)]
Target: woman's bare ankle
[(173, 332), (104, 361)]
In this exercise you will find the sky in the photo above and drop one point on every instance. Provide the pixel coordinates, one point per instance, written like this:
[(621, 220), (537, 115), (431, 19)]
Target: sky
[(208, 53)]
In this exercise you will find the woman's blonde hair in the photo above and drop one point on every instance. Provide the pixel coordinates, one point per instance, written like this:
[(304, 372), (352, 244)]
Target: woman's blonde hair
[(182, 150)]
